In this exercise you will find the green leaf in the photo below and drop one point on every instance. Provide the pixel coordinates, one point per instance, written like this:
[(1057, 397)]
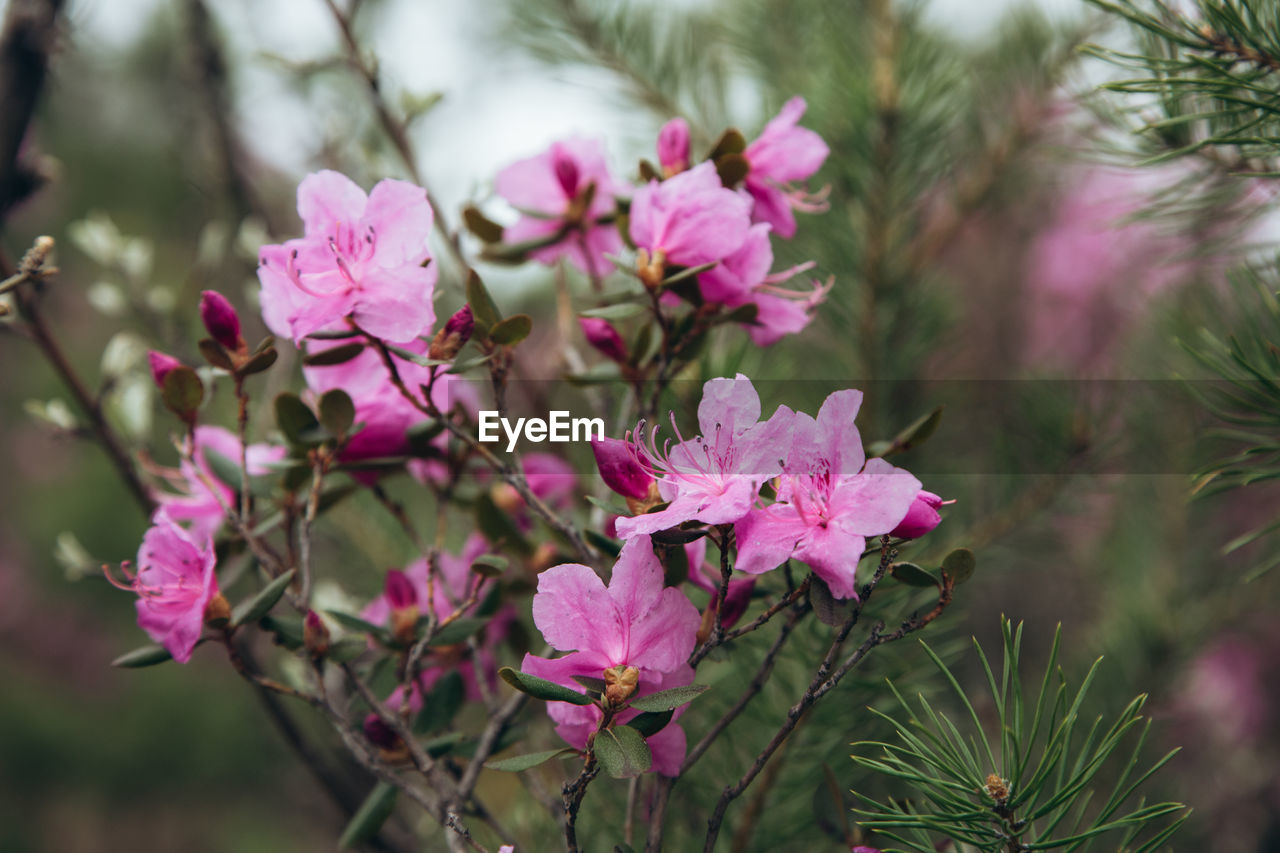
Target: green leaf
[(686, 273), (730, 142), (498, 527), (959, 565), (911, 575), (337, 412), (355, 623), (829, 610), (334, 355), (665, 700), (622, 752), (490, 565), (512, 330), (540, 688), (261, 361), (602, 543), (651, 722), (618, 311), (148, 655), (257, 607), (287, 629), (183, 392), (226, 470), (215, 353), (441, 704), (732, 168), (480, 225), (457, 631), (296, 421), (516, 763), (596, 684), (370, 817), (912, 436), (483, 310)]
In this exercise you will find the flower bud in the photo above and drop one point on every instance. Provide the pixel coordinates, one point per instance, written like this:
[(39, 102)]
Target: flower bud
[(506, 498), (382, 736), (220, 319), (620, 683), (566, 171), (673, 147), (161, 364), (217, 613), (604, 337), (921, 517), (456, 332), (315, 635), (620, 469), (404, 607)]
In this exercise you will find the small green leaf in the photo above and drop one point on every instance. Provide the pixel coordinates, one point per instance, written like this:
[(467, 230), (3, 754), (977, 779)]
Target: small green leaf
[(337, 412), (490, 565), (355, 623), (483, 310), (257, 607), (617, 311), (441, 703), (651, 722), (829, 610), (215, 353), (596, 684), (334, 355), (457, 631), (912, 575), (464, 366), (226, 470), (602, 543), (148, 655), (686, 273), (730, 142), (480, 225), (622, 752), (296, 421), (413, 357), (512, 330), (540, 688), (732, 168), (260, 362), (498, 527), (912, 436), (183, 392), (665, 700), (516, 763), (287, 629), (370, 817), (959, 565)]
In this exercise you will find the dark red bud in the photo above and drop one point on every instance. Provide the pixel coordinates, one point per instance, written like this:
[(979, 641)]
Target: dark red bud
[(399, 590), (220, 319)]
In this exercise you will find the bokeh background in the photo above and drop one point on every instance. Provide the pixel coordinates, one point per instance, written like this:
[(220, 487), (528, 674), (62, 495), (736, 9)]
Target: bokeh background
[(992, 248)]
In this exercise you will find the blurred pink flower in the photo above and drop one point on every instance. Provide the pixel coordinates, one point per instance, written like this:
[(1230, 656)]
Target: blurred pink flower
[(781, 156), (203, 496), (361, 257), (551, 190), (673, 147), (604, 337), (830, 499), (714, 477), (633, 622), (1225, 690), (743, 278), (175, 583)]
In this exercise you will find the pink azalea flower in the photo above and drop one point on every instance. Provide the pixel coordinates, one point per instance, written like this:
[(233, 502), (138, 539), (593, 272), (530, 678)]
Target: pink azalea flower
[(634, 621), (203, 495), (829, 501), (673, 147), (743, 278), (715, 477), (690, 219), (361, 257), (783, 155), (550, 189), (454, 581), (175, 583)]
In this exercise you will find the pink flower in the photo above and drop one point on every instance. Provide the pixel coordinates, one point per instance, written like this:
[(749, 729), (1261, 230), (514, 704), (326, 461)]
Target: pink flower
[(715, 477), (828, 500), (604, 337), (690, 219), (551, 189), (743, 278), (161, 364), (203, 496), (673, 147), (621, 469), (634, 622), (783, 155), (362, 257), (220, 319), (921, 517), (175, 583)]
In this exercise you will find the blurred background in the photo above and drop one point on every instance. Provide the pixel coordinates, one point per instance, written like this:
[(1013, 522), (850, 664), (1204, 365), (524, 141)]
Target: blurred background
[(992, 249)]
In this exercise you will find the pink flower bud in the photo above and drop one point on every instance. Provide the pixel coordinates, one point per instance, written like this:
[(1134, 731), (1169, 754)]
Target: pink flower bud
[(315, 635), (620, 469), (456, 332), (399, 590), (220, 319), (161, 364), (921, 517), (673, 146), (566, 170), (379, 733), (604, 337)]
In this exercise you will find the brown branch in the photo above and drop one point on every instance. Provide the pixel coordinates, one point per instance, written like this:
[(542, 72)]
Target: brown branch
[(30, 30)]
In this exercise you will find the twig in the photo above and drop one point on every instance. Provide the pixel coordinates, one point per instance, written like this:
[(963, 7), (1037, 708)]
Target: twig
[(30, 28)]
